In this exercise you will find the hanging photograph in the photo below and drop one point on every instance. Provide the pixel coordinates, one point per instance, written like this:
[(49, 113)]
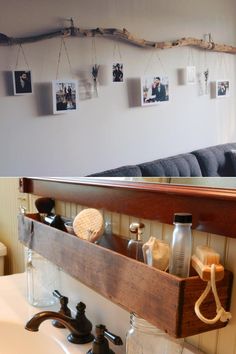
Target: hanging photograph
[(117, 72), (190, 75), (154, 90), (203, 82), (65, 96), (222, 88), (22, 82)]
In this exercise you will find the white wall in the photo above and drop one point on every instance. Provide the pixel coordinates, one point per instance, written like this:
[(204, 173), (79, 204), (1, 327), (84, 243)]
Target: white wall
[(110, 130)]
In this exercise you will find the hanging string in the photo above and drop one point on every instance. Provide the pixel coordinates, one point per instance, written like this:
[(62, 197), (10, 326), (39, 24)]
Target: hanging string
[(161, 63), (67, 55), (21, 50), (59, 59), (116, 49), (190, 60), (63, 45), (150, 59), (205, 60), (202, 60), (17, 57), (222, 66), (94, 52), (226, 67)]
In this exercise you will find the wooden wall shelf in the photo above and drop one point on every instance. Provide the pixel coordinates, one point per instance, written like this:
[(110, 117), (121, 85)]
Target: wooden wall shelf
[(213, 209), (162, 299)]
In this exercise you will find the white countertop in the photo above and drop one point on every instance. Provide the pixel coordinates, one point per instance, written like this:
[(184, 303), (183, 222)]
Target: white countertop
[(15, 308)]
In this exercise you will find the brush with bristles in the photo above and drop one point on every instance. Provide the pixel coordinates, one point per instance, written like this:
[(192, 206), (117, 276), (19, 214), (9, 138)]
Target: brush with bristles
[(202, 260), (44, 205)]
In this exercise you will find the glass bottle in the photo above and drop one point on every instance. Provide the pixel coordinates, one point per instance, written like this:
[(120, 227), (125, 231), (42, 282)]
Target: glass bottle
[(134, 247), (181, 246), (42, 280), (144, 338)]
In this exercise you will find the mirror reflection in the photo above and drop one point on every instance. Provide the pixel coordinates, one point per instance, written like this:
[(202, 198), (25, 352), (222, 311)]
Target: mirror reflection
[(214, 182)]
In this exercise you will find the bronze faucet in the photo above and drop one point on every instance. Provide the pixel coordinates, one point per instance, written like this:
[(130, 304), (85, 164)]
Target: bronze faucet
[(80, 327)]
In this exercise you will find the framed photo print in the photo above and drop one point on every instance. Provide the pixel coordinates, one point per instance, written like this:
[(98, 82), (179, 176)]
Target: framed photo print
[(222, 88), (117, 72), (154, 90), (65, 96), (190, 75), (22, 82)]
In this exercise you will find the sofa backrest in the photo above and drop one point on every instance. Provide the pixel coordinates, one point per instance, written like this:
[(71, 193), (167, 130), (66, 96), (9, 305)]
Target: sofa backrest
[(216, 161), (184, 165), (212, 161), (123, 171)]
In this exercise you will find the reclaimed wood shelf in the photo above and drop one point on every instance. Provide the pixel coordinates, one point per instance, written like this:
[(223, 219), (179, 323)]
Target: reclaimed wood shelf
[(163, 299)]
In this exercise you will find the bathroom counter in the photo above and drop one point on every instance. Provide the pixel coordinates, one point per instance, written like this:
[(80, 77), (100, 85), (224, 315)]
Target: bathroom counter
[(15, 308)]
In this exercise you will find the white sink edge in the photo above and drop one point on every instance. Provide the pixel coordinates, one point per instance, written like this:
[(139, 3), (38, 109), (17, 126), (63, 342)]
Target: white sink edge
[(15, 309)]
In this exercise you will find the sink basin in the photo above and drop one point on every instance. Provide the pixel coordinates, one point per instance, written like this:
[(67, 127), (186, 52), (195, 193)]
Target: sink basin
[(16, 339)]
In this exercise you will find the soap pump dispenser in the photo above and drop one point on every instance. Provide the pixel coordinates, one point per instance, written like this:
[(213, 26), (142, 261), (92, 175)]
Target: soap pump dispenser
[(135, 245), (101, 344)]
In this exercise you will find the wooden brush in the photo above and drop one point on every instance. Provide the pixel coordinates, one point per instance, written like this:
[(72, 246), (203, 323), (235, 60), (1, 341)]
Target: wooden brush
[(202, 260)]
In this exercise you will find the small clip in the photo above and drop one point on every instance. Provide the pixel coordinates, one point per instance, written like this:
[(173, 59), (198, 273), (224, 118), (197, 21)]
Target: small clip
[(72, 28)]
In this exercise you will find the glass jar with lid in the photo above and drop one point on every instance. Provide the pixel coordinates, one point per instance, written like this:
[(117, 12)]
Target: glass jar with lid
[(144, 338)]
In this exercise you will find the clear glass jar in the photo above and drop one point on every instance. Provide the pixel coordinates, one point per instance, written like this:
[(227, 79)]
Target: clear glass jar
[(144, 338), (42, 280)]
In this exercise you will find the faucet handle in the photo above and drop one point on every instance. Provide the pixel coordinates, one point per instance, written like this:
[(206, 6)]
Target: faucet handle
[(100, 343), (83, 326), (113, 337), (64, 310), (57, 294)]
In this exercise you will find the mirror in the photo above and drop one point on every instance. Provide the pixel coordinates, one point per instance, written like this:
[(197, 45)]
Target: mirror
[(213, 182)]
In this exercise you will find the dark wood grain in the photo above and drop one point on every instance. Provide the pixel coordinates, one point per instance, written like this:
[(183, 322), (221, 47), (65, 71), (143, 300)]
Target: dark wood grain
[(162, 299), (214, 210)]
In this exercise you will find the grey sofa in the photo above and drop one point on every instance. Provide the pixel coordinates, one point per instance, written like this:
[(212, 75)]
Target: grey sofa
[(213, 161)]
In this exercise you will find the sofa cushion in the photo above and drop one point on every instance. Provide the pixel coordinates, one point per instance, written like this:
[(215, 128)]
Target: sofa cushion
[(124, 171), (232, 156), (184, 165), (215, 161)]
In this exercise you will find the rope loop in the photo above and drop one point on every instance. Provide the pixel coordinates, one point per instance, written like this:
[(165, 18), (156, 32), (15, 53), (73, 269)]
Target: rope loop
[(221, 314)]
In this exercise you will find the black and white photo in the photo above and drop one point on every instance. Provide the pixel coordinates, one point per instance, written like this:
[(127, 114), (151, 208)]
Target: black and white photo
[(22, 82), (117, 72), (65, 96)]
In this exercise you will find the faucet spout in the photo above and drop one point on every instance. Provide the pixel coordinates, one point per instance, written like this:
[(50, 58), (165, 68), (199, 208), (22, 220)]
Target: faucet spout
[(78, 327), (34, 323)]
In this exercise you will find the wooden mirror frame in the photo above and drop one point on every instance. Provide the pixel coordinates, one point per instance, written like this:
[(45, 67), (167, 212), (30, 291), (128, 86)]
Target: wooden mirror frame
[(213, 209)]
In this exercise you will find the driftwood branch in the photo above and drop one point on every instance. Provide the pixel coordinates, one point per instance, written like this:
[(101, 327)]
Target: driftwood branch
[(122, 35)]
